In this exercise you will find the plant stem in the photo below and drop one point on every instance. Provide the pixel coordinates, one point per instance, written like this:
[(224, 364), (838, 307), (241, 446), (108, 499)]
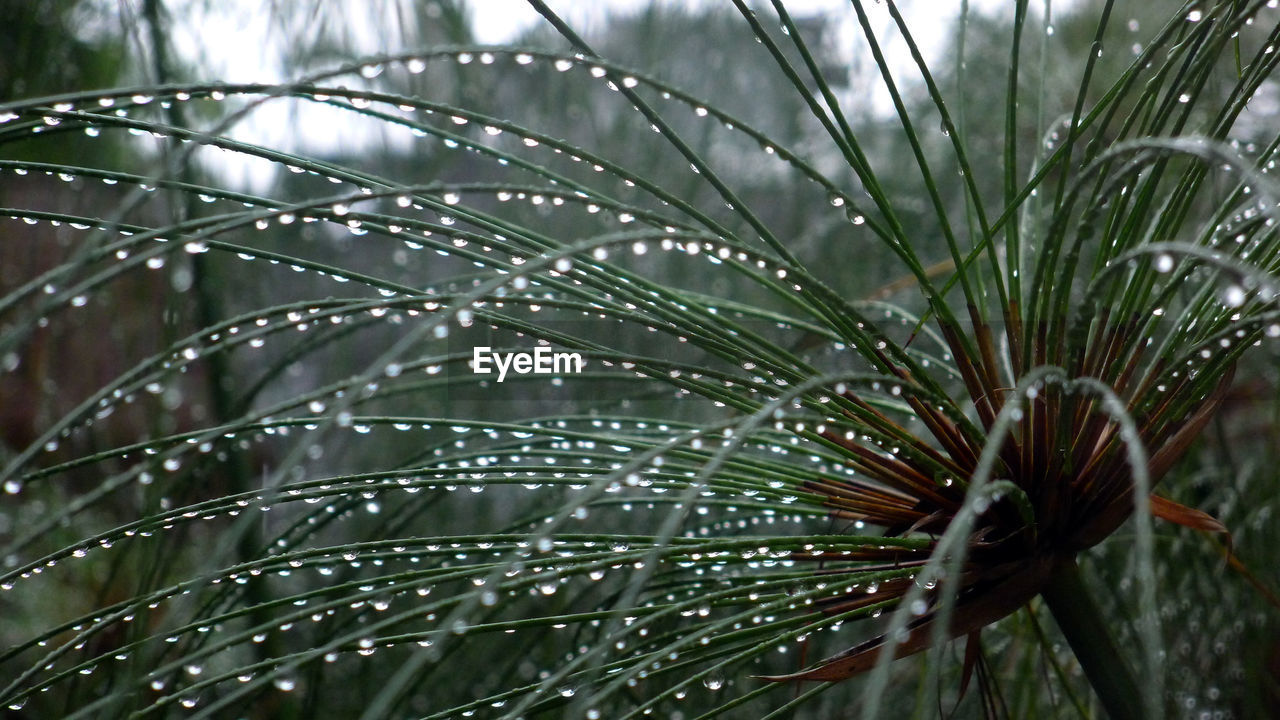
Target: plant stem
[(1082, 624)]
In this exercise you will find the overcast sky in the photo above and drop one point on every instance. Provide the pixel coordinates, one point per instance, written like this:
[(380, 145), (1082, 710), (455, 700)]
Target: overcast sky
[(255, 53), (499, 21), (259, 32)]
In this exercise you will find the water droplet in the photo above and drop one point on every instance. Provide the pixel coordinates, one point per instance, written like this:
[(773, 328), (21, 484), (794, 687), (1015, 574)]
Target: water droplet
[(284, 684)]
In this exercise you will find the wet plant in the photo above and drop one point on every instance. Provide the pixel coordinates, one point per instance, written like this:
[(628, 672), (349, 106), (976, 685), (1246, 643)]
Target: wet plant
[(255, 470)]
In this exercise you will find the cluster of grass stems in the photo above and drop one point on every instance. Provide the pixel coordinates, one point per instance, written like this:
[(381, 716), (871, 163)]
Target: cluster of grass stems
[(296, 500)]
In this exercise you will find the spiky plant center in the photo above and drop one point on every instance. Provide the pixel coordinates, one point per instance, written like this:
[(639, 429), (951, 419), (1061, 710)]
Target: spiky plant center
[(1066, 484)]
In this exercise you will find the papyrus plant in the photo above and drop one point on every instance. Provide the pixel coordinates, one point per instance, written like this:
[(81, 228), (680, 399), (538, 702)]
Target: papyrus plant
[(840, 395)]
